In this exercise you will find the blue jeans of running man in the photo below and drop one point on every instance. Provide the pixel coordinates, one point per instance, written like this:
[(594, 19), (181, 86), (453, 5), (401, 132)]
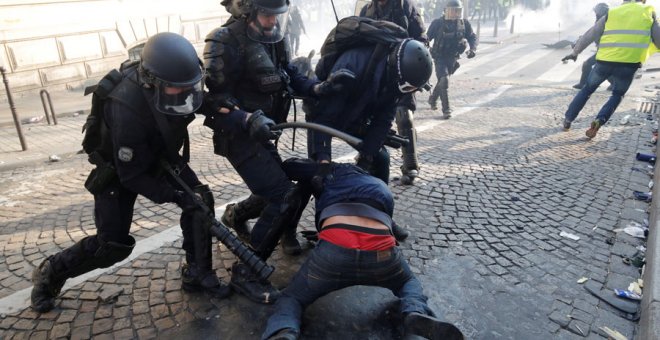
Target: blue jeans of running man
[(621, 77), (331, 267)]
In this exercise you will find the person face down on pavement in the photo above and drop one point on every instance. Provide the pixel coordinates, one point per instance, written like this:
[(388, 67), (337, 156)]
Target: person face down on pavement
[(405, 14), (145, 114), (627, 35), (249, 79), (451, 36), (354, 218)]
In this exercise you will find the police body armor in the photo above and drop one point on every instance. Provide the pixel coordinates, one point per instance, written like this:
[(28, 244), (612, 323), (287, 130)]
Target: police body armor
[(393, 14), (264, 82), (448, 44)]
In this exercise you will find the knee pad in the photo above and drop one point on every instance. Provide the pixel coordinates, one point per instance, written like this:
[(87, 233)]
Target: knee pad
[(112, 252)]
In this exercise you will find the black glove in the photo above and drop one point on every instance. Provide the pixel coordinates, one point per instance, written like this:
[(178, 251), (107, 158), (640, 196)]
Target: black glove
[(335, 82), (185, 201), (213, 103), (569, 57), (470, 54), (260, 126), (322, 173), (310, 235), (365, 162)]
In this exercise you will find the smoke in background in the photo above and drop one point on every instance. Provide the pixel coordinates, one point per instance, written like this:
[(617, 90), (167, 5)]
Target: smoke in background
[(569, 17)]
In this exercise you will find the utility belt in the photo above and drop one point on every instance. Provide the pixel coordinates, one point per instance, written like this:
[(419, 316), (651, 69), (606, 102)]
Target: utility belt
[(100, 177)]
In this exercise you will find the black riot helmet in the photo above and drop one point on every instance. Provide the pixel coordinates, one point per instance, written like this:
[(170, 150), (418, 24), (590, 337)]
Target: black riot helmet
[(170, 65), (601, 10), (453, 10), (413, 64), (237, 8), (268, 19)]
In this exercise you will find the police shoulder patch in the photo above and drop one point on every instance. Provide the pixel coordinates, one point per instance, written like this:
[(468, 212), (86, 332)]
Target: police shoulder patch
[(125, 154)]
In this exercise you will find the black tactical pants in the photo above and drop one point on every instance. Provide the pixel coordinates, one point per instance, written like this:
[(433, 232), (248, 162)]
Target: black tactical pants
[(113, 216), (260, 167)]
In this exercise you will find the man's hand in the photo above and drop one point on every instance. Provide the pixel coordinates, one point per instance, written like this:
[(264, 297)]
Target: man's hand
[(569, 57), (185, 201), (219, 103), (335, 83), (470, 54), (260, 126), (324, 172)]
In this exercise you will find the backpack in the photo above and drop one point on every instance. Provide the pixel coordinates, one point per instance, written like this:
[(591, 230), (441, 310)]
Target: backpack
[(352, 32), (93, 129)]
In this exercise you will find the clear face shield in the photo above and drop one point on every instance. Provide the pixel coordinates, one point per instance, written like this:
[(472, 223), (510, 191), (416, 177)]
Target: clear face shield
[(178, 99), (453, 13), (267, 27)]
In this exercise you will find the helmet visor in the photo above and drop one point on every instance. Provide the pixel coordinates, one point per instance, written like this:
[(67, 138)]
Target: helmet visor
[(178, 100), (453, 13), (267, 27)]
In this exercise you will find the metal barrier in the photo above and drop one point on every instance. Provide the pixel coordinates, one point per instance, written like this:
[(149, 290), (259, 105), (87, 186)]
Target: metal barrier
[(17, 121), (50, 104)]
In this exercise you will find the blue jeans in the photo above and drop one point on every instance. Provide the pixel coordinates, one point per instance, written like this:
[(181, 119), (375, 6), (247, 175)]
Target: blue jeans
[(331, 267), (621, 76)]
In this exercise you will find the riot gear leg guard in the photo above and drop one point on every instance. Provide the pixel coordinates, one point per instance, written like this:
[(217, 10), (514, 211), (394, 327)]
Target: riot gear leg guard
[(443, 91), (90, 253), (198, 273), (237, 214), (405, 125)]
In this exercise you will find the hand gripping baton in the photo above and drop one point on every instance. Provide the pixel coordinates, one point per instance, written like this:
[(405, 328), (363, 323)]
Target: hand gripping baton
[(222, 233)]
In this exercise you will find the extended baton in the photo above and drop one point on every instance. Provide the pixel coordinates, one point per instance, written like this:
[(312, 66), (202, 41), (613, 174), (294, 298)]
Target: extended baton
[(222, 233)]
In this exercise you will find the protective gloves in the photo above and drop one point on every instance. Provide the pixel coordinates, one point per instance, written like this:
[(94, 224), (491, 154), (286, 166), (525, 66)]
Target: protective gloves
[(569, 57), (335, 83), (259, 127)]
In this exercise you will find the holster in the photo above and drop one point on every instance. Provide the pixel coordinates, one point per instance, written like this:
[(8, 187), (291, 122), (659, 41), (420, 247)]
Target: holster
[(99, 178)]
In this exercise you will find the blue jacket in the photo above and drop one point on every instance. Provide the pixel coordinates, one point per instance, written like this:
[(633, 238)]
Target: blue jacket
[(365, 112)]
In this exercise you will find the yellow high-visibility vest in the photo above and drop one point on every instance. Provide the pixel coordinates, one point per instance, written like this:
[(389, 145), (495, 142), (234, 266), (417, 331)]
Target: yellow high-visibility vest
[(627, 34)]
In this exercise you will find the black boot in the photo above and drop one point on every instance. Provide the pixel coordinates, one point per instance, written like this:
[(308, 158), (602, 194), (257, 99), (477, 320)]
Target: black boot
[(406, 128), (443, 92), (46, 287), (245, 282), (428, 327), (285, 334), (237, 214), (195, 280), (400, 233)]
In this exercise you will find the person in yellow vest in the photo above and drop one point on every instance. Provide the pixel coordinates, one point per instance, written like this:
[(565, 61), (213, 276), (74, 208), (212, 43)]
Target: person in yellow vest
[(627, 35)]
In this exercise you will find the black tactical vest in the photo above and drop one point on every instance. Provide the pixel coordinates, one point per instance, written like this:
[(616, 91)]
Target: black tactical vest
[(392, 13), (264, 83), (448, 41)]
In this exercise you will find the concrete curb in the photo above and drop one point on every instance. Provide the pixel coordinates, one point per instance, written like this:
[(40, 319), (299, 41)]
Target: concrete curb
[(649, 324)]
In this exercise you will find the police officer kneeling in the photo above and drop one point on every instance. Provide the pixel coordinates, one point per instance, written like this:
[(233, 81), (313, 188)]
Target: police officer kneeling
[(145, 113)]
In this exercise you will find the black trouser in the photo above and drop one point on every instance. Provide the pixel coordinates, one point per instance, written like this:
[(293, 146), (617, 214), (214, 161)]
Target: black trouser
[(444, 67), (260, 167), (113, 216)]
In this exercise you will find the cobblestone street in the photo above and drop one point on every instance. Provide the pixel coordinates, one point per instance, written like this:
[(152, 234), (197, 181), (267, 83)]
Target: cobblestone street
[(499, 182)]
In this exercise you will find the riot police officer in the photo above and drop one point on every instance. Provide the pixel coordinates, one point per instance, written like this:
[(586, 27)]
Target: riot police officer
[(451, 35), (366, 109), (405, 14), (145, 119), (249, 76)]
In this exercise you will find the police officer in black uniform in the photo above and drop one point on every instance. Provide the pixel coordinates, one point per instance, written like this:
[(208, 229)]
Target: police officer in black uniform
[(249, 76), (145, 119), (451, 35), (405, 14)]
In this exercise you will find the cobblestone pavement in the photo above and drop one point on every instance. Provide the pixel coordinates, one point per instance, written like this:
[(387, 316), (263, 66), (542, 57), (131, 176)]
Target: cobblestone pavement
[(498, 184)]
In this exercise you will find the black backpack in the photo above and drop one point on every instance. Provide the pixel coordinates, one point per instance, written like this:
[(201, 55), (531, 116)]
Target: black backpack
[(94, 127), (355, 31)]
